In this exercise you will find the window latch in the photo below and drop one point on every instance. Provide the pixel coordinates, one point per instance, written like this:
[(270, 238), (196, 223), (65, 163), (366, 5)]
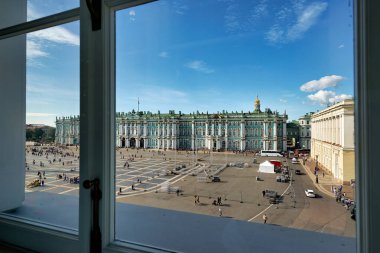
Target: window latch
[(95, 8), (96, 195)]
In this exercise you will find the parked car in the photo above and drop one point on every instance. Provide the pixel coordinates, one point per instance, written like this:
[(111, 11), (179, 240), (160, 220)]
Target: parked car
[(271, 194), (310, 193), (298, 172), (215, 179), (295, 161), (273, 200)]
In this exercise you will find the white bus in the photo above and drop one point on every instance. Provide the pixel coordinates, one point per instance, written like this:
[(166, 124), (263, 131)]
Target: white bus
[(270, 153)]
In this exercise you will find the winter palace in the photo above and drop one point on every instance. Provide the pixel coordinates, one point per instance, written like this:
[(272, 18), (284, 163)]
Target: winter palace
[(257, 130)]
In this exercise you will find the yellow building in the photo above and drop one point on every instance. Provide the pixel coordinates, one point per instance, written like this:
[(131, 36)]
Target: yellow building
[(332, 140)]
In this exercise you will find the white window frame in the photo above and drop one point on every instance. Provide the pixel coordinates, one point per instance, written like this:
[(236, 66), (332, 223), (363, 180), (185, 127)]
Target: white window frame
[(97, 84)]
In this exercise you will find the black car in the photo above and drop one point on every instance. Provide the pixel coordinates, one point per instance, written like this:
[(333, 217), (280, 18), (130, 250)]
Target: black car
[(215, 179), (353, 212), (298, 172)]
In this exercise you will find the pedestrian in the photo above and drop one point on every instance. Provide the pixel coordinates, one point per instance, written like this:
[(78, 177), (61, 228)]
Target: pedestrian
[(263, 192), (195, 200), (198, 199), (316, 179), (220, 211), (265, 218), (323, 174)]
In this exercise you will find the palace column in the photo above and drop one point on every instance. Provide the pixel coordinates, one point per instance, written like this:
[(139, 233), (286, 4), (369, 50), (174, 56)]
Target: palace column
[(192, 135), (174, 133), (275, 135), (158, 135), (265, 125), (226, 135), (207, 141), (145, 134), (242, 136)]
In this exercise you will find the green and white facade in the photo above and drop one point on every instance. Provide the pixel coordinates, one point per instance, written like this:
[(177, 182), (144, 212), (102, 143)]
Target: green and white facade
[(232, 131), (67, 130)]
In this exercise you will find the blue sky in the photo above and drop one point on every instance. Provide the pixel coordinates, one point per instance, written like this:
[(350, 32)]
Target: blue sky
[(204, 55)]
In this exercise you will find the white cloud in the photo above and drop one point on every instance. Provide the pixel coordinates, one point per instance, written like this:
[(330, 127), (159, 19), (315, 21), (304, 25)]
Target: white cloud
[(55, 34), (163, 54), (32, 13), (283, 100), (38, 42), (304, 18), (199, 66), (275, 34), (307, 18), (324, 97), (34, 49), (181, 9), (260, 9), (322, 83), (341, 46)]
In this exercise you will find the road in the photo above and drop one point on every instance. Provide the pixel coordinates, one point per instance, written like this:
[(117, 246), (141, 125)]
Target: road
[(321, 214)]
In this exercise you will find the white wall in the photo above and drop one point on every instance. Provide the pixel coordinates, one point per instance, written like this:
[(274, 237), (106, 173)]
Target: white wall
[(12, 104)]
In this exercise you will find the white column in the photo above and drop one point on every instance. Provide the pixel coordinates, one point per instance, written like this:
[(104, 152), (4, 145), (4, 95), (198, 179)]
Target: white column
[(265, 129), (338, 130), (242, 136), (192, 135), (145, 130), (226, 135)]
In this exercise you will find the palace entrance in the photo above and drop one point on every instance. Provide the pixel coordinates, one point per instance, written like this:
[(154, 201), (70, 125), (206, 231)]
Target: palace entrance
[(132, 143), (123, 142), (141, 143), (223, 147)]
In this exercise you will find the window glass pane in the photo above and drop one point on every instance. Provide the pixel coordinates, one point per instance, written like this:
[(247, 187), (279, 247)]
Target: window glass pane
[(41, 8), (231, 114), (52, 127)]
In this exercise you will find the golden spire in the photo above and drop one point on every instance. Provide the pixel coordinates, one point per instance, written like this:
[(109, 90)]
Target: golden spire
[(257, 104)]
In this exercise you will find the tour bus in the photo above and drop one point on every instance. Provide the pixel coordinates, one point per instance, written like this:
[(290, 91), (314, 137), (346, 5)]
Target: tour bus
[(270, 153)]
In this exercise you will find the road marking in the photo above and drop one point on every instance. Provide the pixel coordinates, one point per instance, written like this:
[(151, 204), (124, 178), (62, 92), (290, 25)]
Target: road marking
[(69, 190), (172, 180), (259, 214)]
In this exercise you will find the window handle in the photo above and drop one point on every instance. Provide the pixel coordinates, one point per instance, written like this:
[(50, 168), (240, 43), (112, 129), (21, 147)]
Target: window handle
[(96, 195)]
